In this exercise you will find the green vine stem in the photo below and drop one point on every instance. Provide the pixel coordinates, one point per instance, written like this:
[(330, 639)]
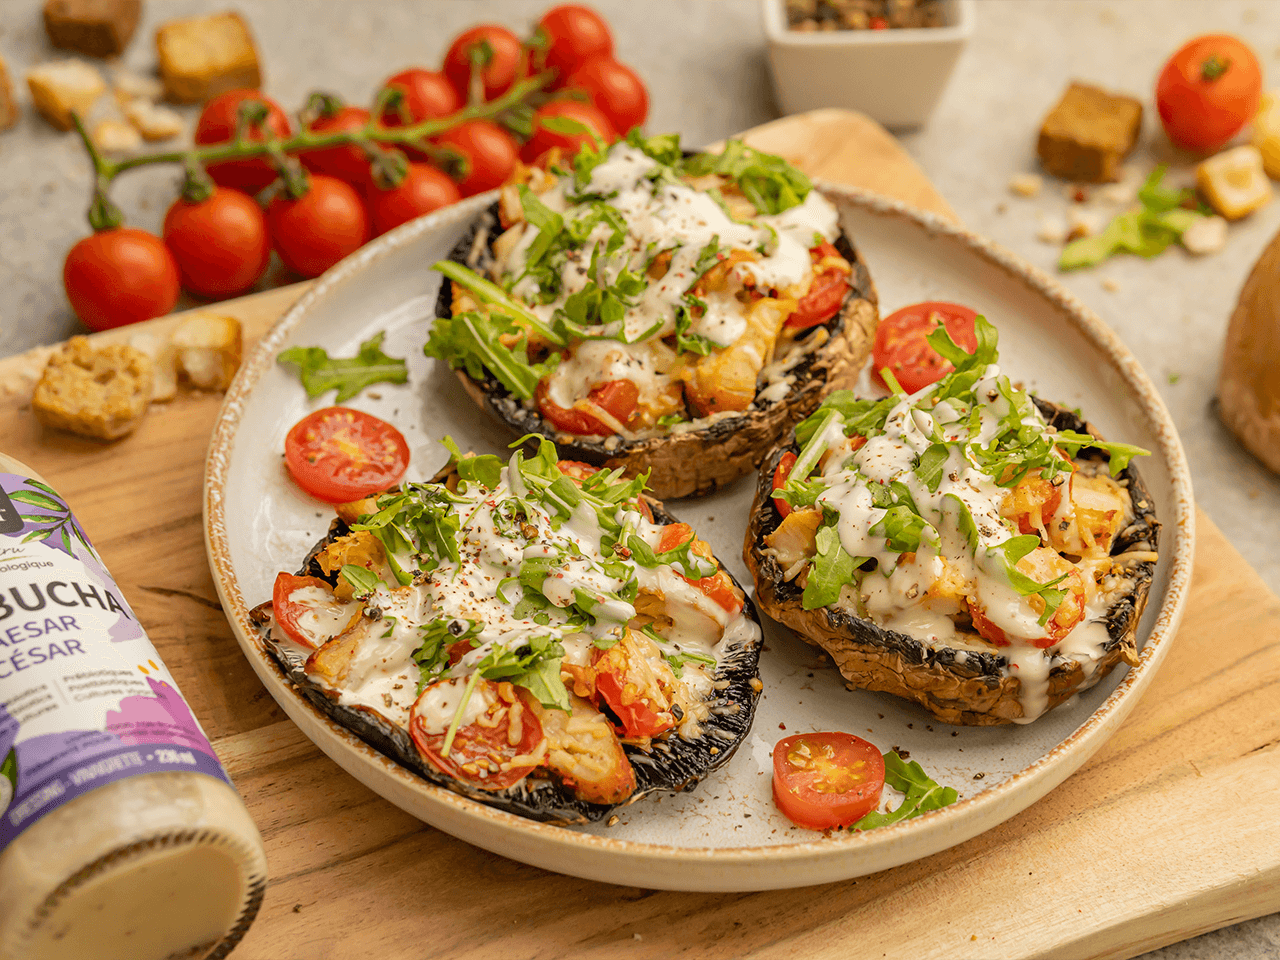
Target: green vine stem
[(103, 214)]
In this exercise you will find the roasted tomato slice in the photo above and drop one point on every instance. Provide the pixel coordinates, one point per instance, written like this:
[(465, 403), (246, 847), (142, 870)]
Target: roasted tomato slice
[(780, 475), (825, 295), (718, 587), (307, 610), (901, 343), (618, 398), (338, 454), (495, 751), (632, 687), (823, 780), (1042, 565)]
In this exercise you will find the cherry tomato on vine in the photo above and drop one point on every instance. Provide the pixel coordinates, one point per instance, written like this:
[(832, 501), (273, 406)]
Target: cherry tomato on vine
[(572, 34), (614, 89), (544, 139), (346, 163), (499, 55), (427, 96), (901, 343), (825, 780), (317, 230), (338, 454), (825, 295), (491, 154), (617, 398), (221, 244), (423, 189), (217, 124), (121, 276), (1208, 91)]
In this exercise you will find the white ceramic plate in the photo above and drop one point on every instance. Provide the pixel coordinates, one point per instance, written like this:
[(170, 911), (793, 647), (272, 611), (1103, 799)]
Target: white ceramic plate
[(726, 835)]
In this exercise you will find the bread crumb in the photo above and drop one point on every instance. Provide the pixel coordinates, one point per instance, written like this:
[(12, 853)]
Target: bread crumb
[(99, 393), (152, 121), (61, 88), (1026, 184), (9, 110), (115, 136), (1082, 221), (201, 57), (134, 86), (164, 361), (1206, 235), (1111, 286), (1051, 229)]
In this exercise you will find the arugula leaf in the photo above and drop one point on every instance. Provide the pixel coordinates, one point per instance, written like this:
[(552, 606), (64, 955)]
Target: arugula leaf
[(348, 375), (663, 147), (678, 659), (362, 581), (485, 470), (929, 466), (922, 793), (491, 293), (768, 181), (475, 342), (432, 656), (832, 568), (1120, 453), (543, 681), (902, 528), (548, 223)]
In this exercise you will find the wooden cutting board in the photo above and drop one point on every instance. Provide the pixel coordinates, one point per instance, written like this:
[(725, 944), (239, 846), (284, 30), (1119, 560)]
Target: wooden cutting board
[(1170, 831)]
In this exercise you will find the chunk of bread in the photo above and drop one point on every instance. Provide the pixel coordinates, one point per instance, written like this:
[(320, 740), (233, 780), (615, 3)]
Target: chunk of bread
[(115, 136), (135, 86), (100, 393), (1087, 134), (152, 121), (8, 103), (164, 360), (100, 28), (59, 89), (209, 348), (204, 56)]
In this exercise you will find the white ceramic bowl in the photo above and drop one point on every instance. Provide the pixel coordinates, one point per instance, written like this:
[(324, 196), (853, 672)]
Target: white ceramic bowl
[(895, 77)]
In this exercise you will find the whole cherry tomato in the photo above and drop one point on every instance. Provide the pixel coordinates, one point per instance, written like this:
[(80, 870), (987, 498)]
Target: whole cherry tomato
[(824, 780), (544, 139), (346, 163), (427, 96), (615, 91), (321, 227), (490, 153), (423, 189), (572, 34), (495, 51), (1208, 91), (120, 276), (217, 124), (221, 244)]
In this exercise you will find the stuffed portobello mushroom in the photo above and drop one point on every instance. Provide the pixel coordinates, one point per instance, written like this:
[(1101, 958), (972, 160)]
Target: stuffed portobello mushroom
[(655, 310), (967, 546), (537, 635)]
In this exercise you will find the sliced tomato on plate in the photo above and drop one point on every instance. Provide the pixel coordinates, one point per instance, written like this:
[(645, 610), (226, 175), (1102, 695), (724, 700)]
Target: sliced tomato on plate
[(484, 752), (339, 454), (902, 346), (824, 780)]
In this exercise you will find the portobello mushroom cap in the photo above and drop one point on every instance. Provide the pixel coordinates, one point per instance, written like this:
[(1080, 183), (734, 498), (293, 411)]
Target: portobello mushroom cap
[(971, 688), (718, 449), (671, 764)]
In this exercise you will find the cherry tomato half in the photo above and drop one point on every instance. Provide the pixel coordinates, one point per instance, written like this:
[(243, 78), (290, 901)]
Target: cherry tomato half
[(825, 295), (901, 343), (221, 244), (617, 397), (480, 750), (423, 189), (825, 780), (780, 475), (321, 227), (1208, 91), (498, 55), (571, 35), (217, 124), (121, 276), (614, 89), (489, 151), (298, 616), (346, 163), (544, 139), (719, 587), (338, 454)]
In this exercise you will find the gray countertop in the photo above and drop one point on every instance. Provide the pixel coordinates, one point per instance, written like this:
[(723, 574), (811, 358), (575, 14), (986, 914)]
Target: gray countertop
[(707, 73)]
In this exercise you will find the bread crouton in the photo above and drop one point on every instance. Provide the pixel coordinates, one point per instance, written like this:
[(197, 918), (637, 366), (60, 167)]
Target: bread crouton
[(204, 56), (209, 349), (135, 86), (152, 121), (115, 136), (164, 362), (59, 89), (100, 28), (100, 393), (1088, 133), (8, 104)]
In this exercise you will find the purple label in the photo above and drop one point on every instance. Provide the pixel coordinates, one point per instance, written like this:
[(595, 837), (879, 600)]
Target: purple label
[(84, 699)]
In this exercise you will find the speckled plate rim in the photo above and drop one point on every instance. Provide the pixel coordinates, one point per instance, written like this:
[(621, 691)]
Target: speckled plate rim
[(710, 869)]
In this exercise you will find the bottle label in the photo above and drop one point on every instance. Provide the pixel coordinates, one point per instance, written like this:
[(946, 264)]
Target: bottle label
[(84, 698)]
